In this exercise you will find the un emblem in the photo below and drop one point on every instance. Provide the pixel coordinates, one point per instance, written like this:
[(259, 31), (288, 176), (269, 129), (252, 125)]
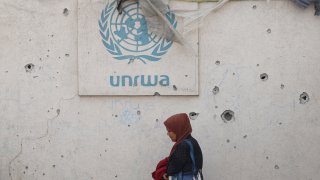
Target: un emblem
[(126, 36)]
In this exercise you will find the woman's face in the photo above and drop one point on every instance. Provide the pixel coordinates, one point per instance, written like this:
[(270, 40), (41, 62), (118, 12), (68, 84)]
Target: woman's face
[(172, 136)]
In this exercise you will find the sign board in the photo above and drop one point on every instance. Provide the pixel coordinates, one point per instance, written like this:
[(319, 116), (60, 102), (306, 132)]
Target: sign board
[(117, 55)]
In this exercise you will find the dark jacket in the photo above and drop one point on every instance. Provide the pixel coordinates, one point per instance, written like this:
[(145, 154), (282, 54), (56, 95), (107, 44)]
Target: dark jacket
[(180, 159)]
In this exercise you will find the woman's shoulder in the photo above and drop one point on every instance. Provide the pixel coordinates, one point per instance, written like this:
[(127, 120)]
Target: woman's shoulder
[(182, 147), (184, 144)]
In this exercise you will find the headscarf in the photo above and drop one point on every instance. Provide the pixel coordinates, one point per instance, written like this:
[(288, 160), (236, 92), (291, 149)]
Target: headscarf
[(180, 125)]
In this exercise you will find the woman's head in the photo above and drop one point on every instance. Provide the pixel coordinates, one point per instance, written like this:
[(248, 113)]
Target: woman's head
[(178, 127)]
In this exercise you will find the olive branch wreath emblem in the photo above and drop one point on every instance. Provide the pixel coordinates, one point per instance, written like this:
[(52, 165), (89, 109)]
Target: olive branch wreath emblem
[(113, 48)]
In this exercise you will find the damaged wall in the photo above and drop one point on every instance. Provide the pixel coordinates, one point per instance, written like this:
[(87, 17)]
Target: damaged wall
[(258, 102)]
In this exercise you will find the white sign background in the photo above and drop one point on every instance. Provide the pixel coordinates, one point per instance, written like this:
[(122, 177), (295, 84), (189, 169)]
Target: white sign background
[(177, 68)]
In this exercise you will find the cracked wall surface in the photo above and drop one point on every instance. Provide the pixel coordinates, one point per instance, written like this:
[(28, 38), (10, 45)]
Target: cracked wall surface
[(255, 117)]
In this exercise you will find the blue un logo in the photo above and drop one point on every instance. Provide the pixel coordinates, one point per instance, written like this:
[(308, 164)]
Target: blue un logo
[(126, 36)]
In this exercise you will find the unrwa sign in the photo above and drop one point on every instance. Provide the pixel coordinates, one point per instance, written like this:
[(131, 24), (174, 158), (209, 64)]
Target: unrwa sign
[(139, 80), (126, 37), (118, 54)]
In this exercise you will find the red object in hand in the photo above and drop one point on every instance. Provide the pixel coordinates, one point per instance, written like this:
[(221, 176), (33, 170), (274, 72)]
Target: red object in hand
[(161, 169)]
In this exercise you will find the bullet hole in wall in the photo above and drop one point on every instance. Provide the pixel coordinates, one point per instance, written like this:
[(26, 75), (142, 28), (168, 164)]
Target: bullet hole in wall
[(67, 55), (175, 87), (228, 140), (157, 120), (264, 76), (65, 11), (138, 113), (254, 7), (215, 90), (156, 94), (282, 86), (258, 65), (54, 166), (245, 136), (269, 30), (193, 115), (29, 67), (304, 98), (58, 111), (217, 62), (276, 167), (267, 157), (227, 115)]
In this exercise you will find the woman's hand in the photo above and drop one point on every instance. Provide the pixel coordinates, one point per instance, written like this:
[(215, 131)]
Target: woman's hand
[(165, 177)]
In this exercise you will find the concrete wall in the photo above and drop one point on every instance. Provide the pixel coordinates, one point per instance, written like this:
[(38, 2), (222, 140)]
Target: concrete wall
[(48, 132)]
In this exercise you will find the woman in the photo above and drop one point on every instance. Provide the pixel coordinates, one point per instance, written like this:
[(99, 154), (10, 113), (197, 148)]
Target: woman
[(180, 161)]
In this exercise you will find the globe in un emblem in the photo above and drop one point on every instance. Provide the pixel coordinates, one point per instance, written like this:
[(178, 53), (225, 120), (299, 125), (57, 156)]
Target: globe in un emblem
[(126, 35)]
